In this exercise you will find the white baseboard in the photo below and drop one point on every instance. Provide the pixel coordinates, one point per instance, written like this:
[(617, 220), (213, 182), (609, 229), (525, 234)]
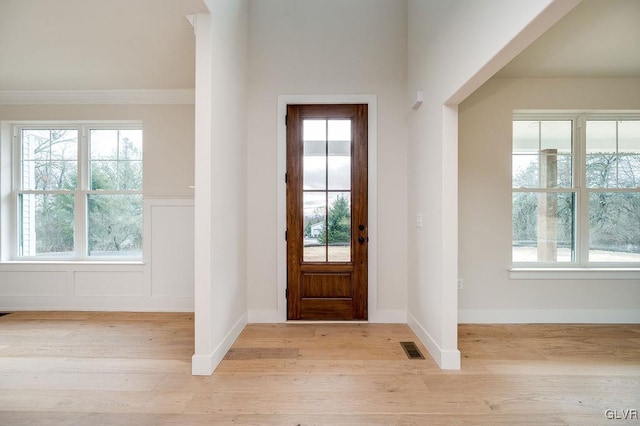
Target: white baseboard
[(446, 359), (388, 316), (264, 316), (204, 365), (566, 316), (97, 303)]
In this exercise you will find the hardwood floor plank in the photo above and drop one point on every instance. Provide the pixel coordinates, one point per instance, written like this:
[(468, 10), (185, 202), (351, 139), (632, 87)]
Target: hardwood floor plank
[(85, 368), (274, 331), (262, 353), (143, 419), (52, 315), (94, 401), (565, 368), (102, 350), (125, 382), (102, 365), (307, 383), (332, 403), (501, 384), (269, 366)]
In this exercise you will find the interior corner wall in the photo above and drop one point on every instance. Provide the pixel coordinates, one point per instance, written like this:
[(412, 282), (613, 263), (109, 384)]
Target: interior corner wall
[(453, 47), (221, 183), (328, 47), (489, 295), (228, 161)]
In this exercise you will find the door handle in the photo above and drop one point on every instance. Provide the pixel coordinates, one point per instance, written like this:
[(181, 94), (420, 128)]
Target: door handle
[(361, 240)]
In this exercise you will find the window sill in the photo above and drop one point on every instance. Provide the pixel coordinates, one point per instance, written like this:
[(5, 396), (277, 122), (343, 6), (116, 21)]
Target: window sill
[(72, 266), (72, 262), (574, 273)]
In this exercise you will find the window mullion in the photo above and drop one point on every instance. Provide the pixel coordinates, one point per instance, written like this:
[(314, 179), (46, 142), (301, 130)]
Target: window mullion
[(81, 195), (16, 185), (582, 219)]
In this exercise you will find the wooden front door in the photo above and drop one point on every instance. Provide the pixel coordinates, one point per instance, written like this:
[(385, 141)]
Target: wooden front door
[(327, 212)]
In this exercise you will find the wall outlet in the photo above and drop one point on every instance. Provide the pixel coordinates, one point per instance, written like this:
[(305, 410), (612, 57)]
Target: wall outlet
[(460, 283), (419, 220)]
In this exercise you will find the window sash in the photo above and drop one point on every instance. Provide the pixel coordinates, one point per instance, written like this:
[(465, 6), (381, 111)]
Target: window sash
[(81, 193), (580, 189)]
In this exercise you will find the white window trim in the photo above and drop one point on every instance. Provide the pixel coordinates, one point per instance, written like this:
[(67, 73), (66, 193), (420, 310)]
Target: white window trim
[(574, 273), (10, 179), (581, 268)]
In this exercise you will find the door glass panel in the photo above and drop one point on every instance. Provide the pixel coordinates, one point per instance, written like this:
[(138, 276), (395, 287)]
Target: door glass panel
[(314, 130), (326, 190), (339, 227), (314, 134), (315, 207), (339, 165), (339, 130), (315, 165)]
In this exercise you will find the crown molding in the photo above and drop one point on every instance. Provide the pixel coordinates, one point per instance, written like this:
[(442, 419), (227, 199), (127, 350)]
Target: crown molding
[(97, 97)]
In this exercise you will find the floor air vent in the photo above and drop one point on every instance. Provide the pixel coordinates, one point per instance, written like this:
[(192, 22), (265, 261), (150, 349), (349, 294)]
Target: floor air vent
[(411, 350)]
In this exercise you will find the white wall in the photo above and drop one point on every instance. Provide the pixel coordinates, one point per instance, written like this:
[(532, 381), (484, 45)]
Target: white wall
[(220, 199), (453, 48), (329, 47), (168, 212), (489, 295)]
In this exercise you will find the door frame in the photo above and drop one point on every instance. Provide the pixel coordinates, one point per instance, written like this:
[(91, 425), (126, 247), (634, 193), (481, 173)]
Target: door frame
[(371, 101)]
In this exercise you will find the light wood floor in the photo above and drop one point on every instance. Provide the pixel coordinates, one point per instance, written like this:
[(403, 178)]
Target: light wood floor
[(135, 369)]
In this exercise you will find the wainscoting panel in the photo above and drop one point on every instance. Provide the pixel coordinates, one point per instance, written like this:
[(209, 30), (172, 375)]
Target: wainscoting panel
[(161, 282), (103, 283), (171, 248), (33, 283)]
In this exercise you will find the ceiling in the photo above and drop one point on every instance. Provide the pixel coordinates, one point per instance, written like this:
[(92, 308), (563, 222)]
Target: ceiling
[(96, 44), (148, 44), (598, 38)]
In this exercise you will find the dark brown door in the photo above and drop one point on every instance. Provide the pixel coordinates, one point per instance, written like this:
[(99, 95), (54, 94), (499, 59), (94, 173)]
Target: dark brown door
[(327, 212)]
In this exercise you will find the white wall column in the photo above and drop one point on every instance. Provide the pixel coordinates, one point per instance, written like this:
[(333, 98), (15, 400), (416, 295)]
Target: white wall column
[(203, 197)]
